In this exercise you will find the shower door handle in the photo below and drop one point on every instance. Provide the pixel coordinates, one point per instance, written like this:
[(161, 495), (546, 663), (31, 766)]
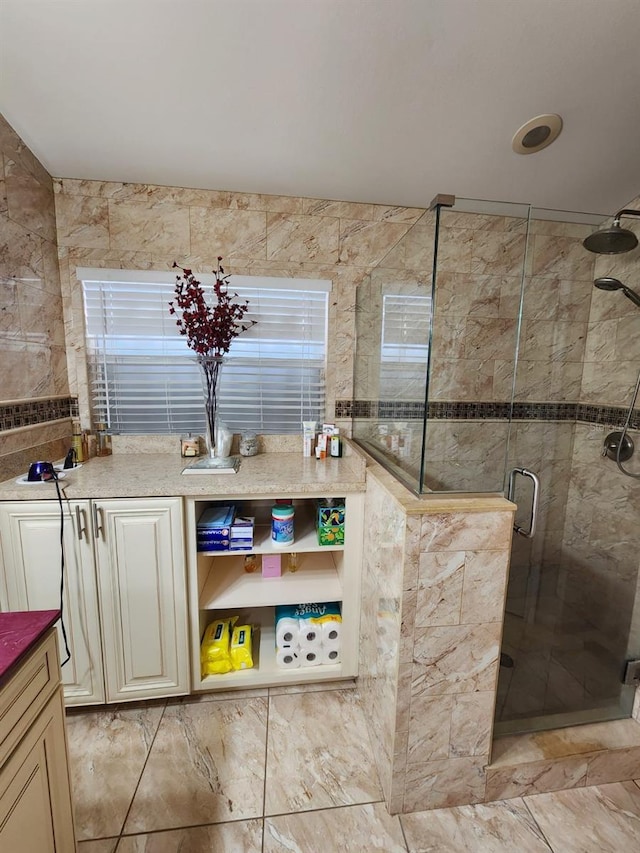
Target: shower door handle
[(524, 472)]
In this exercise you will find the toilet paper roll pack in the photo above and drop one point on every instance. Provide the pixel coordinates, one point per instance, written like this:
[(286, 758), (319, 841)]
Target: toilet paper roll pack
[(331, 631), (287, 632), (329, 655), (310, 656), (310, 634), (287, 659)]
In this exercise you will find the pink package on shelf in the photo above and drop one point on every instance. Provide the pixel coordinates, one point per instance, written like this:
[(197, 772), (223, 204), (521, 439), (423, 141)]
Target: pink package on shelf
[(271, 566)]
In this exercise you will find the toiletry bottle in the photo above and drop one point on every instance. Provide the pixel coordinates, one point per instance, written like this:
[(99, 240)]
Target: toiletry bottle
[(76, 440), (104, 440)]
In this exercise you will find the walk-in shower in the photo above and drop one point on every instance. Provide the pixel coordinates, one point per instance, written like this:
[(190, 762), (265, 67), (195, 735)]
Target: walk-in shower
[(483, 348)]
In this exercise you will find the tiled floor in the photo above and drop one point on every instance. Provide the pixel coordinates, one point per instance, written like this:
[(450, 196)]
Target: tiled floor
[(283, 770)]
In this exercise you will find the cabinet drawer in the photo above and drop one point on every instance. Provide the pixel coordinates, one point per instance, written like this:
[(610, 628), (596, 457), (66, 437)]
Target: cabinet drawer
[(27, 692)]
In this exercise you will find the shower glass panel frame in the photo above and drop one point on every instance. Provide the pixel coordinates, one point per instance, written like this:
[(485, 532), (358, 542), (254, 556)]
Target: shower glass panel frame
[(506, 371)]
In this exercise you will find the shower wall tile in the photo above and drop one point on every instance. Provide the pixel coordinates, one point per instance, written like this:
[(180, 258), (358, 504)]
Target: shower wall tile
[(456, 659), (564, 257), (29, 198), (468, 531), (82, 221), (430, 728), (463, 379), (366, 243), (31, 329), (485, 579), (472, 724), (314, 239), (444, 783), (455, 249), (439, 599), (160, 227), (553, 341), (235, 233), (497, 252)]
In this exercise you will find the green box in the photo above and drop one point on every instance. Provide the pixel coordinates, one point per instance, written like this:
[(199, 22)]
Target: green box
[(330, 515), (331, 534)]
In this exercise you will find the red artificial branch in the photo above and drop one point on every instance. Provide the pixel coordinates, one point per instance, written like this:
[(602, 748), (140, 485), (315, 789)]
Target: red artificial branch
[(209, 329)]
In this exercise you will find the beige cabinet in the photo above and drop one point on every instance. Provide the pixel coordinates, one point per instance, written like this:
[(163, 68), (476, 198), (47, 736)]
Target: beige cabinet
[(30, 580), (35, 799), (124, 591)]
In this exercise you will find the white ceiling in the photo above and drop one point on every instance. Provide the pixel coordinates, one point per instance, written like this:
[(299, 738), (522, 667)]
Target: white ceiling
[(388, 101)]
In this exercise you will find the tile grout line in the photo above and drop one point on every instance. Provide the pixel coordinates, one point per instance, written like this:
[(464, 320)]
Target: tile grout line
[(133, 796), (547, 842), (266, 758)]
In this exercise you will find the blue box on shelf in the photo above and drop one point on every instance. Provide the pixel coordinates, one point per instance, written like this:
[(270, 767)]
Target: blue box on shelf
[(213, 530)]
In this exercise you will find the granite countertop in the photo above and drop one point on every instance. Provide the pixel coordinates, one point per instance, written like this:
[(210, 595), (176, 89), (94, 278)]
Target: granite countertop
[(19, 632), (126, 475)]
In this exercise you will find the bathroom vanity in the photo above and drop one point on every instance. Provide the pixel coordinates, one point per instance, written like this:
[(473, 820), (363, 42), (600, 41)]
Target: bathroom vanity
[(138, 595)]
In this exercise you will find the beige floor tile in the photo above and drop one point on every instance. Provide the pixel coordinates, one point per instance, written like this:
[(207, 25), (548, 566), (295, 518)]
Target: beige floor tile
[(243, 836), (318, 753), (107, 751), (206, 766), (504, 827), (604, 819), (353, 828), (104, 845)]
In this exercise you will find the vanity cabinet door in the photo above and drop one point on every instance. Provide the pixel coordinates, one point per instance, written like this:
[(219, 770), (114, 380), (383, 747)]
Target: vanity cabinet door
[(142, 591), (30, 580)]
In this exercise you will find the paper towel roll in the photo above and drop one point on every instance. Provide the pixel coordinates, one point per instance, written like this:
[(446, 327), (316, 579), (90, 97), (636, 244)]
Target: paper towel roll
[(330, 654), (287, 632), (310, 634), (287, 659), (331, 632), (310, 656)]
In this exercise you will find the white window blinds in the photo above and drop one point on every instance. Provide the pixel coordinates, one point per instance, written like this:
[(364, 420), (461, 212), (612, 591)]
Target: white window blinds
[(144, 378), (405, 345)]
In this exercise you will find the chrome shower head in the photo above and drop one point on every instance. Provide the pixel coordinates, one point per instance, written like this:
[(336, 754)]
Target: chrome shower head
[(608, 283), (614, 240)]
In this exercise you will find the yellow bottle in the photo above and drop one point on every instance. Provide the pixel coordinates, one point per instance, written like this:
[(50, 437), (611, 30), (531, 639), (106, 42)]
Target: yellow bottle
[(76, 441)]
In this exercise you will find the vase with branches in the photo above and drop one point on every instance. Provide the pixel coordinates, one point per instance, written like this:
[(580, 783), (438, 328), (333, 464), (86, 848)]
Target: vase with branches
[(209, 327)]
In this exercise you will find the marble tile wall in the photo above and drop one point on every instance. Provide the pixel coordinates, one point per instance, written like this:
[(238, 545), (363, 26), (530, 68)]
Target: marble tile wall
[(433, 599), (381, 625), (32, 345), (139, 226)]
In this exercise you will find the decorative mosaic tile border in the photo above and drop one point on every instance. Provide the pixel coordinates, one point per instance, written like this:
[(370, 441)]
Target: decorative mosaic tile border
[(15, 415), (399, 409)]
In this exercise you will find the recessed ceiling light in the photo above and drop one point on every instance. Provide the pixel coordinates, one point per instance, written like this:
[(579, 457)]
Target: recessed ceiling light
[(536, 134)]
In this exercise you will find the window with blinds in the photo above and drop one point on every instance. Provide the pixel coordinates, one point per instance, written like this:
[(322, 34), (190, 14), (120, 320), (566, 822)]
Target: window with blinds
[(404, 353), (144, 378)]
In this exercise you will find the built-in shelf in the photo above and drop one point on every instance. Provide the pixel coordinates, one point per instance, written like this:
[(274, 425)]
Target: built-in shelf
[(228, 586), (265, 670), (305, 536)]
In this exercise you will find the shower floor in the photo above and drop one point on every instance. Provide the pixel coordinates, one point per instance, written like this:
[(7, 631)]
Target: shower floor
[(562, 675)]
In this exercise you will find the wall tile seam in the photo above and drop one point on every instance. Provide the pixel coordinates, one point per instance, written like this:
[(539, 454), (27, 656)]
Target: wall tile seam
[(73, 189)]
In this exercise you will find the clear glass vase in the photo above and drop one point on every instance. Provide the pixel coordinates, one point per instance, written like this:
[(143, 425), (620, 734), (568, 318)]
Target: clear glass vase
[(216, 434)]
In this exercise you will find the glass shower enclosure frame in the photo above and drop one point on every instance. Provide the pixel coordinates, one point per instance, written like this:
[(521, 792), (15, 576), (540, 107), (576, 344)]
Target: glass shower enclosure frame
[(486, 362)]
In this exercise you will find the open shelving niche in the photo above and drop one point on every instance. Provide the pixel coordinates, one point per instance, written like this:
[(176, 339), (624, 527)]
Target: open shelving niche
[(219, 587)]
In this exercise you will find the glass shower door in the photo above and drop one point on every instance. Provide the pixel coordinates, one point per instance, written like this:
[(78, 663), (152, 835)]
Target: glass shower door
[(571, 619)]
